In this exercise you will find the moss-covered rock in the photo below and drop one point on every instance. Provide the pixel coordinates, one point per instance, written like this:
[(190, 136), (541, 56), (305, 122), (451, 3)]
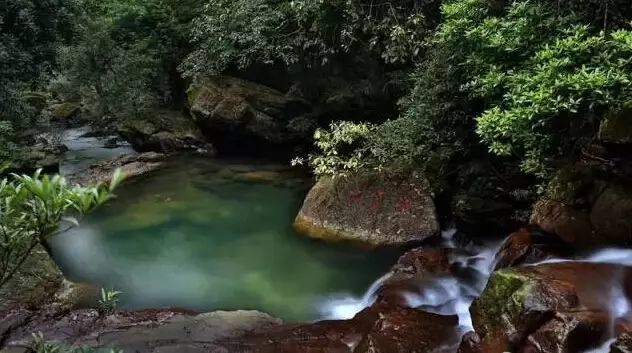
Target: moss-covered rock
[(64, 111), (227, 108), (164, 131), (37, 100), (34, 284), (373, 208), (546, 305)]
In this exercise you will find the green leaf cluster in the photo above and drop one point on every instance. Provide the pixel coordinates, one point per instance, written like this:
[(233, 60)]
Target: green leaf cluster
[(34, 208)]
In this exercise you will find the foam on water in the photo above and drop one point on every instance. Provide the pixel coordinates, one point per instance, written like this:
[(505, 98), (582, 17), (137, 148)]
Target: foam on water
[(453, 295), (445, 295)]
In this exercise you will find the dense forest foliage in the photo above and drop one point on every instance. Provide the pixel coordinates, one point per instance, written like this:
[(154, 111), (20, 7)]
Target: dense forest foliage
[(430, 82)]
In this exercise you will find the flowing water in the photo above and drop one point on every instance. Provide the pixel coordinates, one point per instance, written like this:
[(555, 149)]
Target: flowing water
[(85, 150)]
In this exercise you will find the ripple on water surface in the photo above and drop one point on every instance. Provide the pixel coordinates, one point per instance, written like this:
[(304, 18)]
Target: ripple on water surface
[(204, 236)]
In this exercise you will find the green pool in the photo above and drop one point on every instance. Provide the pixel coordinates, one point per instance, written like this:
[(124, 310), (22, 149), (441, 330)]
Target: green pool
[(208, 236)]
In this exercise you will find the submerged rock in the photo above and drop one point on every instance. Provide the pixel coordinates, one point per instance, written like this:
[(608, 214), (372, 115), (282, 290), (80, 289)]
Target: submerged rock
[(558, 307), (230, 110), (378, 209)]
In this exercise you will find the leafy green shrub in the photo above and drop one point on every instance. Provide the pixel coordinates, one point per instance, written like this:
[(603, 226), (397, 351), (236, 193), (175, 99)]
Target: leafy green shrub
[(342, 149), (32, 208), (123, 60), (307, 33), (108, 302), (529, 82)]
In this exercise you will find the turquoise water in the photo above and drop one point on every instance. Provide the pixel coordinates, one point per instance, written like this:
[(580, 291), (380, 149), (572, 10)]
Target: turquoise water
[(207, 236)]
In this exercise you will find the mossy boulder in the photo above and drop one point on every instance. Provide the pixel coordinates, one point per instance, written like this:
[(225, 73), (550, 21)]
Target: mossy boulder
[(34, 284), (164, 131), (39, 156), (616, 127), (229, 109), (37, 100), (546, 305), (64, 111), (373, 208)]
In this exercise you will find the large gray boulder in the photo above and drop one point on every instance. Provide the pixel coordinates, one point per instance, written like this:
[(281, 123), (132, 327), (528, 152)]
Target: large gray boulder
[(374, 208)]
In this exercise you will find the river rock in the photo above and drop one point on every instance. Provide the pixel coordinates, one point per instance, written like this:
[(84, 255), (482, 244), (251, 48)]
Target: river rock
[(526, 246), (485, 202), (408, 331), (229, 110), (623, 344), (410, 273), (132, 166), (561, 306), (146, 331), (586, 208), (373, 208), (380, 328), (164, 131), (34, 284), (377, 329)]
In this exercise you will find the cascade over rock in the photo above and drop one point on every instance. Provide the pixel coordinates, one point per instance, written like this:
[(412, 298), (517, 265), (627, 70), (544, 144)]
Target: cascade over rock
[(558, 307), (528, 245), (374, 208)]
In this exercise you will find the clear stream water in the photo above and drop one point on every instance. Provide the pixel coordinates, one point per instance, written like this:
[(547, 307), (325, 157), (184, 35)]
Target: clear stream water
[(195, 235)]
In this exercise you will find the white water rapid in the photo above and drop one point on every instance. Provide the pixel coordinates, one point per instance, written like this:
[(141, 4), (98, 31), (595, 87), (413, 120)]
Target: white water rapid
[(453, 295), (447, 295)]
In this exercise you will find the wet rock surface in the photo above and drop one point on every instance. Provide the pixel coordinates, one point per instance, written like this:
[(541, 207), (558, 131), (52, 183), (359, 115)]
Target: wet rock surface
[(623, 344), (411, 271), (527, 246), (142, 331), (377, 209), (377, 329), (559, 307), (132, 166)]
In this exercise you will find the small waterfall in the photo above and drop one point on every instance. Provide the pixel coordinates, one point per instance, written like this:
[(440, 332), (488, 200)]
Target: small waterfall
[(345, 307), (473, 265), (446, 295)]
